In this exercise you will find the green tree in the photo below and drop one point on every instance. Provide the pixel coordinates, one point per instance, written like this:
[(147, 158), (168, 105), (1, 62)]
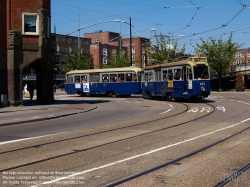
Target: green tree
[(77, 60), (165, 49), (119, 59), (219, 54)]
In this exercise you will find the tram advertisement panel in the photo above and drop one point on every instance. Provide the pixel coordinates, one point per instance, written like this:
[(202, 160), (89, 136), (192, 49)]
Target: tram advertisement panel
[(85, 87)]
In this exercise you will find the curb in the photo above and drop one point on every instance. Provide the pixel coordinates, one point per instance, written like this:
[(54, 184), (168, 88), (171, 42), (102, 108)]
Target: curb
[(45, 118)]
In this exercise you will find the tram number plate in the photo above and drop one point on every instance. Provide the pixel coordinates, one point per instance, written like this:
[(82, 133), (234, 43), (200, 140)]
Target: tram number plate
[(170, 84), (202, 83)]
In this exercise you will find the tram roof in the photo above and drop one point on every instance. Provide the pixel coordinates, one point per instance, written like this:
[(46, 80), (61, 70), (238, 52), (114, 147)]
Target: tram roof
[(122, 69), (189, 61)]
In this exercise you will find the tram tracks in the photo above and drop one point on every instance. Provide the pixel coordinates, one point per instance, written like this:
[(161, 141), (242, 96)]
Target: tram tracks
[(34, 148), (166, 164)]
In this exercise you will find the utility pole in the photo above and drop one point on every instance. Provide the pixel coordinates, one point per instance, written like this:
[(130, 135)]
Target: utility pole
[(130, 46), (79, 34)]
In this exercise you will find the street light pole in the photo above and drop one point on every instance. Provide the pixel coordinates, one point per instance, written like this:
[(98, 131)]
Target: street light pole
[(79, 28)]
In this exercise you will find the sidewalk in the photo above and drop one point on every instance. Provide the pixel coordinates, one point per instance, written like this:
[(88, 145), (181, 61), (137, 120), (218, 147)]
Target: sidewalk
[(31, 112)]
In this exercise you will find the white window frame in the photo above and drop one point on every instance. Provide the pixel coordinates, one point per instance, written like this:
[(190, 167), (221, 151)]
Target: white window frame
[(133, 50), (104, 60), (113, 51), (105, 51), (37, 23)]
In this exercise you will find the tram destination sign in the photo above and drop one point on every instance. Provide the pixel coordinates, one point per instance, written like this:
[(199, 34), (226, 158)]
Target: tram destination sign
[(200, 59)]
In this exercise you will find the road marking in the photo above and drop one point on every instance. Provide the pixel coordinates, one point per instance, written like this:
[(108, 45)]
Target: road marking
[(141, 155), (221, 108), (24, 139), (165, 111), (243, 102)]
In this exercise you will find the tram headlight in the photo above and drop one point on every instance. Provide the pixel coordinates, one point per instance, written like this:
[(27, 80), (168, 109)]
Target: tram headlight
[(203, 89)]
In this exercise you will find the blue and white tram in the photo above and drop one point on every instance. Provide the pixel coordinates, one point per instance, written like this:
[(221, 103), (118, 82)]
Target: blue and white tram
[(110, 82), (189, 78)]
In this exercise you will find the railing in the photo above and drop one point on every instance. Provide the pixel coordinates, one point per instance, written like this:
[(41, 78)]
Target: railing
[(33, 77)]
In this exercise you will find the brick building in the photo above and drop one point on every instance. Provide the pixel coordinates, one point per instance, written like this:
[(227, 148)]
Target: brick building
[(106, 43), (63, 45), (25, 41)]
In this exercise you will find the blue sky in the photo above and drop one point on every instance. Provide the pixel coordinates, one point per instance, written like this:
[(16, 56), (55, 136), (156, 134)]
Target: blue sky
[(185, 20)]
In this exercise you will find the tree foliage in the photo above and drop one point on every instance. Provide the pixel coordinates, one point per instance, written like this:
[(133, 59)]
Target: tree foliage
[(77, 60), (165, 49), (119, 59), (219, 54)]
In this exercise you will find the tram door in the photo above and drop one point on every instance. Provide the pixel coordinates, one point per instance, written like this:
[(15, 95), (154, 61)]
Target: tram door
[(157, 81), (185, 79)]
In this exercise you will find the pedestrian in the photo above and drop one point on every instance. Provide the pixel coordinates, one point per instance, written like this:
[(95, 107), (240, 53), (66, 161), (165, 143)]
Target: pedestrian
[(30, 88), (25, 91)]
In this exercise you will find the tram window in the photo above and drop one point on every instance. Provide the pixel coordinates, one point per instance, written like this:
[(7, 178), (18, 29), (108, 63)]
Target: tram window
[(129, 77), (190, 74), (69, 79), (77, 79), (113, 78), (120, 77), (157, 75), (177, 74), (150, 76), (94, 77), (139, 76), (105, 78), (145, 78), (165, 75), (134, 77), (201, 72), (170, 74), (84, 78), (184, 73)]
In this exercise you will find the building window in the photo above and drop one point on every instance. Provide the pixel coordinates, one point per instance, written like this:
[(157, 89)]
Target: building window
[(30, 24), (105, 51), (133, 57), (133, 50), (113, 51), (248, 54), (143, 57), (63, 50), (97, 40), (104, 61)]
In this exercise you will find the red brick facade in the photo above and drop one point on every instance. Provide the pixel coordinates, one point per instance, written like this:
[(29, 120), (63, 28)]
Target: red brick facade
[(22, 44), (102, 40)]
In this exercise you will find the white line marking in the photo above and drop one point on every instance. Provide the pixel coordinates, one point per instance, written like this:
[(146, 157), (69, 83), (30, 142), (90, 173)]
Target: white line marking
[(147, 153), (243, 102), (165, 111), (19, 140)]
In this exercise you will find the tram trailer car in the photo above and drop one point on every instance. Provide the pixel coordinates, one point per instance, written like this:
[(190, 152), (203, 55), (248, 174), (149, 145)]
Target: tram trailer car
[(185, 79), (109, 82)]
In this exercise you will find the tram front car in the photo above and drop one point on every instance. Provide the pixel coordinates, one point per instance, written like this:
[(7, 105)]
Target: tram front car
[(184, 79)]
